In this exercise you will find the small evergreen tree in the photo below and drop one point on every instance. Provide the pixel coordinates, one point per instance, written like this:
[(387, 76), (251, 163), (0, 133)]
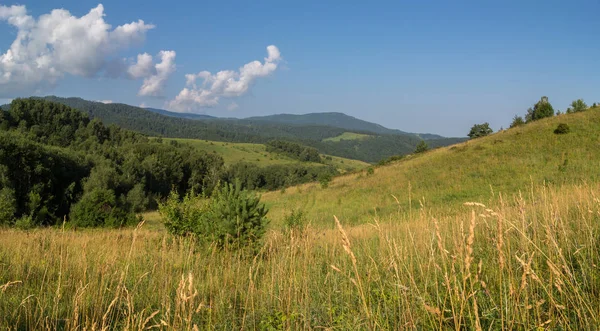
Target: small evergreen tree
[(517, 121), (421, 147), (480, 130), (541, 109)]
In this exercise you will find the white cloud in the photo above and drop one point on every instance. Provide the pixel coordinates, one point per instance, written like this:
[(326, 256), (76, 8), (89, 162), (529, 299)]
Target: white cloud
[(106, 101), (58, 43), (142, 105), (223, 84), (155, 75)]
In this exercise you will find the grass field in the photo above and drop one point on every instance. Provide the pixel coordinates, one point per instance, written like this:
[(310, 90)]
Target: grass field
[(505, 162), (348, 136), (257, 154), (501, 232)]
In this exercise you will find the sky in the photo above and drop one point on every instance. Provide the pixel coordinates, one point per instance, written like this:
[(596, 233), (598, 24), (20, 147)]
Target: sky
[(418, 66)]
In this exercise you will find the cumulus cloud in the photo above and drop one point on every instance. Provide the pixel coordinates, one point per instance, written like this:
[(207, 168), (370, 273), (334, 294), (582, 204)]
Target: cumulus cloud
[(155, 75), (58, 43), (223, 84), (106, 101), (233, 106)]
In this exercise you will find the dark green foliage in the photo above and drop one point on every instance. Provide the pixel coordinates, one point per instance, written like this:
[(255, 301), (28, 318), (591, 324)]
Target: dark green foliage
[(370, 171), (294, 150), (324, 180), (517, 121), (47, 149), (274, 177), (577, 106), (562, 128), (44, 181), (541, 109), (8, 206), (232, 217), (421, 147), (100, 207), (480, 130)]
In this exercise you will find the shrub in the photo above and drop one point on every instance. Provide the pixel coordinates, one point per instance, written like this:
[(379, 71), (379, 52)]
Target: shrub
[(517, 121), (100, 207), (8, 206), (370, 171), (295, 221), (232, 217), (562, 128), (421, 147), (480, 130), (324, 179)]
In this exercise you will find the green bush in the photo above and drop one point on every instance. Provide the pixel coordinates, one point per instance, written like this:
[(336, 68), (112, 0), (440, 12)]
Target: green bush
[(295, 221), (421, 147), (8, 206), (324, 180), (562, 128), (370, 171), (232, 217), (100, 207)]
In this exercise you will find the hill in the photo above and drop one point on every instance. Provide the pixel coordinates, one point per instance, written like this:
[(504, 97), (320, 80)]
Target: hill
[(338, 120), (250, 131), (257, 154), (180, 115), (476, 170)]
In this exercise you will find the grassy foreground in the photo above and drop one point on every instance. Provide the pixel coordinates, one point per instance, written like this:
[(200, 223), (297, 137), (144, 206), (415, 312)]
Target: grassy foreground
[(528, 261)]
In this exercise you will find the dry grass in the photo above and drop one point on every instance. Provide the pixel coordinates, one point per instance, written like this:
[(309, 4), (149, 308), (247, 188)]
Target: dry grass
[(529, 261)]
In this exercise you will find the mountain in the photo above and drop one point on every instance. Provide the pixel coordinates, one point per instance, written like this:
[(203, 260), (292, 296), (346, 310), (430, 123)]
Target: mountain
[(338, 120), (371, 149), (180, 115)]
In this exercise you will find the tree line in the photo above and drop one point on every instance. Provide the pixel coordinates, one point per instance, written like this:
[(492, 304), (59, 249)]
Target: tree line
[(57, 164)]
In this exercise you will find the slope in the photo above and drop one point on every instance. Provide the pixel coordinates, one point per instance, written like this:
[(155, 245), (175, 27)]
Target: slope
[(257, 154), (338, 120), (476, 170)]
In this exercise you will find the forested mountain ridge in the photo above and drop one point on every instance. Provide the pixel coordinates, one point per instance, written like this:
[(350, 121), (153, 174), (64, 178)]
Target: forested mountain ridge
[(137, 119), (338, 120), (58, 164)]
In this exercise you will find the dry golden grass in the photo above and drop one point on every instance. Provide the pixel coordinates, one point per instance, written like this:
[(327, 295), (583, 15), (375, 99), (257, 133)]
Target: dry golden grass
[(528, 261)]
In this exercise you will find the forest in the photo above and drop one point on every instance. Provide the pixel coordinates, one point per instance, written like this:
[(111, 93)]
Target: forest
[(57, 164)]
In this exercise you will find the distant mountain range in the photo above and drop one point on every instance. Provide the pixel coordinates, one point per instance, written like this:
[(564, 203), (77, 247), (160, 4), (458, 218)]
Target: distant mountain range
[(310, 130), (333, 119)]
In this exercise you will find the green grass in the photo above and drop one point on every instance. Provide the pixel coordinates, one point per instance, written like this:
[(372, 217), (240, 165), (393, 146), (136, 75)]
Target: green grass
[(479, 169), (257, 154), (348, 136), (498, 233)]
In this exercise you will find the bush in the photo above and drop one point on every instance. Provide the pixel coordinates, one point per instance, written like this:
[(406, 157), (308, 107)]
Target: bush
[(295, 221), (370, 171), (324, 179), (8, 206), (480, 130), (421, 147), (517, 121), (232, 217), (100, 207), (562, 128)]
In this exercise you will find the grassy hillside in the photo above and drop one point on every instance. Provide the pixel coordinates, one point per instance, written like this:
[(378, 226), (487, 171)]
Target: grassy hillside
[(347, 136), (496, 233), (480, 169), (257, 154)]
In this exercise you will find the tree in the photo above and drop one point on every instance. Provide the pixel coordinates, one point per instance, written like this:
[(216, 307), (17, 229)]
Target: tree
[(480, 130), (541, 109), (577, 106), (421, 147), (517, 121)]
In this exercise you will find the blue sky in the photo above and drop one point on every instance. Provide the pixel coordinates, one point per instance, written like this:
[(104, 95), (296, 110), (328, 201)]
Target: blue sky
[(435, 66)]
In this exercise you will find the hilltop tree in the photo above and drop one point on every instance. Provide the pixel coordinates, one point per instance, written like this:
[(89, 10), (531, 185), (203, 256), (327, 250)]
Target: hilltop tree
[(541, 109), (421, 147), (517, 121), (577, 106), (480, 130)]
